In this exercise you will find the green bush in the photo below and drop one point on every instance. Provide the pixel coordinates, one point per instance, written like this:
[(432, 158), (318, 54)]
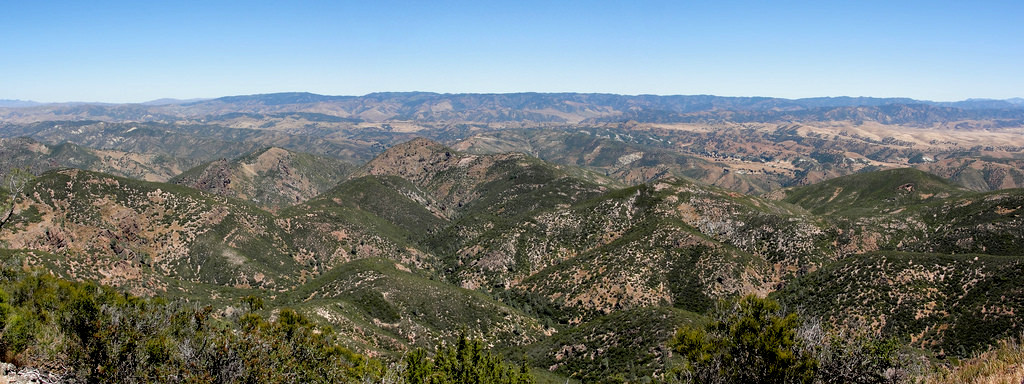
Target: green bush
[(749, 340), (466, 362), (19, 332)]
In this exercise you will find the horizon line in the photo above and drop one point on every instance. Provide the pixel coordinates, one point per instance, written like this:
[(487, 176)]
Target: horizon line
[(199, 99)]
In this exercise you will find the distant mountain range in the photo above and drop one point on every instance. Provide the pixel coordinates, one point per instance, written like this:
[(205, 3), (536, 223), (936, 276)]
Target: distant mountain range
[(4, 103), (169, 101), (753, 103), (534, 108)]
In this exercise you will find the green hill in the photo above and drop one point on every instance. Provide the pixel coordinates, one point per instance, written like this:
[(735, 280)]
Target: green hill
[(872, 193), (989, 223), (370, 216)]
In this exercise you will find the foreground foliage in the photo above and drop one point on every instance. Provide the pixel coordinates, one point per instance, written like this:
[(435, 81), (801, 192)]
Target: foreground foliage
[(466, 362), (88, 333), (753, 340), (749, 341), (84, 332)]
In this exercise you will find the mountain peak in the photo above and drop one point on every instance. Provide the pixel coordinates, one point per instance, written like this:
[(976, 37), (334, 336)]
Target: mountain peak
[(266, 152), (413, 160), (420, 142)]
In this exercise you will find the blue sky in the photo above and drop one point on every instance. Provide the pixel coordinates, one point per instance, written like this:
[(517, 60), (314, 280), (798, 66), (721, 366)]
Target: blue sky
[(134, 51)]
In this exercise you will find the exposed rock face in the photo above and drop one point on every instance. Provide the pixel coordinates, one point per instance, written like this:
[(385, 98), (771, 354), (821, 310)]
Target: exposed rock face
[(11, 374)]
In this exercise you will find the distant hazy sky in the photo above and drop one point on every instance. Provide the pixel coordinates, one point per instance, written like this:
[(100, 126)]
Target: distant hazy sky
[(133, 51)]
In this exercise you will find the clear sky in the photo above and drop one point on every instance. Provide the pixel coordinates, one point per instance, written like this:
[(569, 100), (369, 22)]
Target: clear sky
[(134, 51)]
